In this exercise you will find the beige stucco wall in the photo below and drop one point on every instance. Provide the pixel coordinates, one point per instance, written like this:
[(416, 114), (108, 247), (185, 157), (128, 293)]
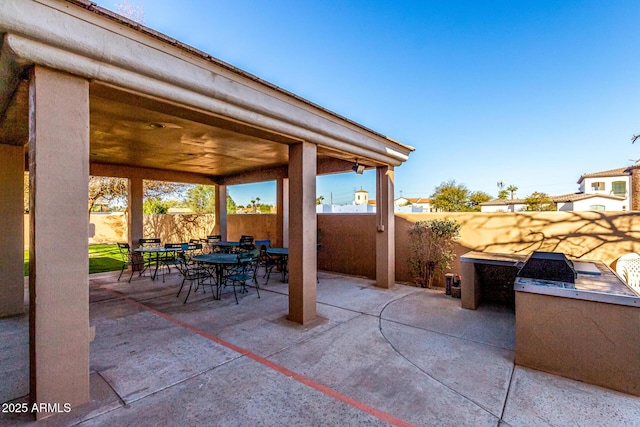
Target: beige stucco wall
[(598, 342), (110, 228), (348, 240), (590, 235)]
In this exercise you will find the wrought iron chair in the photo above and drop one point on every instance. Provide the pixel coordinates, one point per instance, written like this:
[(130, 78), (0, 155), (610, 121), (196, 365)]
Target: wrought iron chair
[(130, 259), (149, 243), (246, 243), (171, 258), (266, 260), (245, 270), (192, 272), (210, 242)]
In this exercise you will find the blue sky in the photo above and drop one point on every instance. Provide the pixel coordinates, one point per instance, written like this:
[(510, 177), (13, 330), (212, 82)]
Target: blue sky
[(530, 93)]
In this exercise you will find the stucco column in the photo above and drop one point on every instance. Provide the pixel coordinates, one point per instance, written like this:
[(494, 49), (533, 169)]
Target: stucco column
[(12, 230), (285, 212), (303, 229), (385, 225), (221, 211), (59, 262), (279, 241), (135, 195)]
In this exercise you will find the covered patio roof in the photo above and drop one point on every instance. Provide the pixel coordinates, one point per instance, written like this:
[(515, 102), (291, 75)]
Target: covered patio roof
[(83, 92), (159, 104)]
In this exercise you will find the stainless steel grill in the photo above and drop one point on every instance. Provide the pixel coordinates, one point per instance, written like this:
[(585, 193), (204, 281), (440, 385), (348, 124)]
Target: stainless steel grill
[(549, 267)]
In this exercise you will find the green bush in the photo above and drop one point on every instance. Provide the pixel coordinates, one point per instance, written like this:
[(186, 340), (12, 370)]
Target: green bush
[(431, 250)]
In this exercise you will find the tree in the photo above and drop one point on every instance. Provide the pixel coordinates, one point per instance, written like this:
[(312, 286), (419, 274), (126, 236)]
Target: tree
[(450, 197), (502, 194), (512, 188), (231, 205), (108, 190), (201, 198), (476, 198), (155, 206), (539, 202), (319, 200)]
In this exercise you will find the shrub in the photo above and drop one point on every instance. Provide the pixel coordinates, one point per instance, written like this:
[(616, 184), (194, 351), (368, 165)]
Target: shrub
[(431, 250)]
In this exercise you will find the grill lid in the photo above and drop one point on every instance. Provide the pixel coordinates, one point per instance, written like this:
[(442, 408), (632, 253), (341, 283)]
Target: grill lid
[(552, 266)]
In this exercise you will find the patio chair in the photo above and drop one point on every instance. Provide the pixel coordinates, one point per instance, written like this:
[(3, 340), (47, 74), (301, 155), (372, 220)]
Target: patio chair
[(266, 260), (171, 258), (195, 248), (148, 243), (130, 259), (209, 243), (243, 271), (194, 273), (246, 243), (628, 267)]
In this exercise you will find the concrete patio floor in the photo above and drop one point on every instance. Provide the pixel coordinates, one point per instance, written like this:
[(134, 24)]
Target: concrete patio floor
[(406, 356)]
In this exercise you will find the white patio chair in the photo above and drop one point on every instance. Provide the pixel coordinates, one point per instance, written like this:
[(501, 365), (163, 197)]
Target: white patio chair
[(628, 267)]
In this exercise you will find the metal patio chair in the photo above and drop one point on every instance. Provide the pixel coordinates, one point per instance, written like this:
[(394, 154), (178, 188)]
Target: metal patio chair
[(131, 259)]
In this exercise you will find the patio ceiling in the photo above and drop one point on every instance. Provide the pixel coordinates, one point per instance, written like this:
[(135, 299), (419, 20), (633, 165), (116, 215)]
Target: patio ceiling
[(161, 105), (131, 129)]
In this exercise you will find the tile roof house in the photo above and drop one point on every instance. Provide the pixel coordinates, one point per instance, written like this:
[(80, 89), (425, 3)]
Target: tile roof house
[(422, 204), (610, 190)]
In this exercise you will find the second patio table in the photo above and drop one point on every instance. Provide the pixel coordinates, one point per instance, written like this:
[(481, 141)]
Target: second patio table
[(219, 261), (283, 254), (156, 250)]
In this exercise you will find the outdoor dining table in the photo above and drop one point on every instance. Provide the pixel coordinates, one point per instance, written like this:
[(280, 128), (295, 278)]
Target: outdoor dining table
[(283, 254), (157, 250), (219, 261)]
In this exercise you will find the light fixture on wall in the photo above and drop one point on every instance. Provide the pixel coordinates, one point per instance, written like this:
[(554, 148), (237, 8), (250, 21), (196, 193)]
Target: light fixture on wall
[(358, 168)]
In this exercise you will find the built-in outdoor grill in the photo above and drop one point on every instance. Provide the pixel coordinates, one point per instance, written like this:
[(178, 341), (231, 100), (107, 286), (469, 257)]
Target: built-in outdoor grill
[(549, 269)]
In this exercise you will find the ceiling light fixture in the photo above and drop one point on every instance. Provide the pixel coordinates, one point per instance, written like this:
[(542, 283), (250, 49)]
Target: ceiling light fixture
[(358, 168)]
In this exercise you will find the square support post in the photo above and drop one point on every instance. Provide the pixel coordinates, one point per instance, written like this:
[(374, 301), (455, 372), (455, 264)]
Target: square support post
[(280, 212), (12, 230), (303, 232), (385, 224), (135, 195), (59, 235), (221, 211)]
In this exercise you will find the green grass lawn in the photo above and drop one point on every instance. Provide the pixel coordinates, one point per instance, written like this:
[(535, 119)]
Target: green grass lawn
[(101, 258)]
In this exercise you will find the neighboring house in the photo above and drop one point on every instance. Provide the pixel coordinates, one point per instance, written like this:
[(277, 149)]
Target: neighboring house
[(611, 190), (590, 202), (363, 204), (614, 182), (418, 204)]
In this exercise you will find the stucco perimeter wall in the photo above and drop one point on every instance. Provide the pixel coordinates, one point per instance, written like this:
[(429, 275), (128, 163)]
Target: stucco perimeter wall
[(260, 226), (589, 235), (112, 227), (597, 341), (348, 243)]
